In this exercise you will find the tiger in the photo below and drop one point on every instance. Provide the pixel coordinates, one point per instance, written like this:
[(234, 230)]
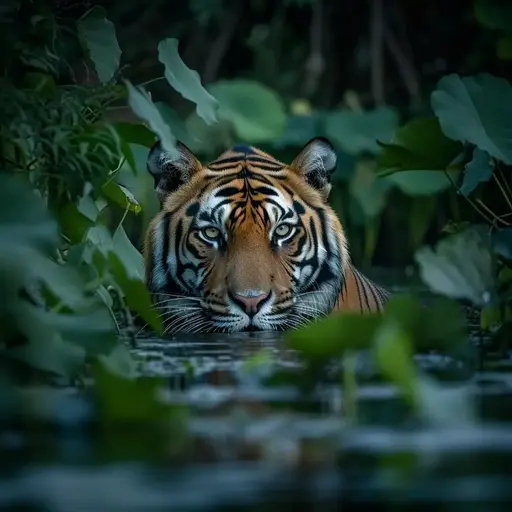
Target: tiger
[(249, 243)]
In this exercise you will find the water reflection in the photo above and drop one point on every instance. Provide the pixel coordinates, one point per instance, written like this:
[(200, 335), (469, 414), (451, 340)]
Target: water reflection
[(255, 441)]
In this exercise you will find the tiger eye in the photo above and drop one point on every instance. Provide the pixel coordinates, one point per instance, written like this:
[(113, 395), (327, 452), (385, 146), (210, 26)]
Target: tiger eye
[(283, 230), (211, 233)]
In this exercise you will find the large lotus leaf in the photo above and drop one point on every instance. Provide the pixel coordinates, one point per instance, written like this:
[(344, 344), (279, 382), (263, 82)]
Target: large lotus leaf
[(478, 110), (256, 112)]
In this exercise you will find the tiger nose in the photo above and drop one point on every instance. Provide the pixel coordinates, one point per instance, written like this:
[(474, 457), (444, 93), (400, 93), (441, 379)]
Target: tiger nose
[(251, 302)]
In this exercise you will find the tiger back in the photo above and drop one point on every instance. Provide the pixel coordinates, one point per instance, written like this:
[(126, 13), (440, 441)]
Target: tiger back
[(247, 242)]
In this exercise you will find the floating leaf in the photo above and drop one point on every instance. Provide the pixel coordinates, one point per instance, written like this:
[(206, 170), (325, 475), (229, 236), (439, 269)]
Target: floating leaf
[(186, 81), (477, 110), (460, 267), (357, 132), (256, 112), (418, 145), (99, 35), (141, 104), (479, 170)]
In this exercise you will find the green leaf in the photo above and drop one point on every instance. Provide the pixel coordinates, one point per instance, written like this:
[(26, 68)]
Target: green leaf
[(393, 354), (298, 130), (256, 112), (476, 110), (368, 189), (141, 104), (136, 294), (358, 132), (136, 133), (99, 35), (121, 196), (186, 81), (502, 242), (24, 219), (422, 183), (494, 14), (418, 145), (177, 126), (477, 171), (92, 331), (332, 336), (461, 267), (504, 48), (45, 349), (126, 400)]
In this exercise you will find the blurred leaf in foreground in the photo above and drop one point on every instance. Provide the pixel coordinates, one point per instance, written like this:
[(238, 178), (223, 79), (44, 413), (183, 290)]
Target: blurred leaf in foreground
[(461, 267), (131, 399)]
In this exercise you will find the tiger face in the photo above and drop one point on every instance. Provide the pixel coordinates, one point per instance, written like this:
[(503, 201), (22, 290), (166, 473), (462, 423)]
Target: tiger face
[(245, 242)]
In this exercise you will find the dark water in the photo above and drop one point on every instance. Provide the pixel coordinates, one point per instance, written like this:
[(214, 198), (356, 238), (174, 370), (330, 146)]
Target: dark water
[(254, 441)]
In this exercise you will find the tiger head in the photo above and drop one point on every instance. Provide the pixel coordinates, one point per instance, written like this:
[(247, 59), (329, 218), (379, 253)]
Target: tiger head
[(245, 242)]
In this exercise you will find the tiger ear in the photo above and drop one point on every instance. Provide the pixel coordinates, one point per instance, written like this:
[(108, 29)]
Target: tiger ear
[(315, 163), (169, 170)]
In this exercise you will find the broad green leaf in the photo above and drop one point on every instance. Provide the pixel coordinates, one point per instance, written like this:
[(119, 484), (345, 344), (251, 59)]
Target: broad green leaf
[(256, 112), (494, 14), (44, 349), (119, 244), (131, 258), (477, 110), (332, 336), (358, 132), (135, 133), (141, 104), (171, 117), (502, 242), (441, 326), (24, 219), (299, 129), (128, 400), (121, 195), (99, 35), (92, 331), (422, 183), (186, 81), (368, 189), (119, 361), (504, 48), (418, 145), (136, 294), (393, 354), (461, 267), (479, 170)]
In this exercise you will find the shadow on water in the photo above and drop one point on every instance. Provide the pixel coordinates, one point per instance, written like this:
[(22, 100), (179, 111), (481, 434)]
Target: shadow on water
[(253, 440)]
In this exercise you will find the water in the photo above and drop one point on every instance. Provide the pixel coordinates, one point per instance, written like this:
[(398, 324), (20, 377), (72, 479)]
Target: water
[(254, 441)]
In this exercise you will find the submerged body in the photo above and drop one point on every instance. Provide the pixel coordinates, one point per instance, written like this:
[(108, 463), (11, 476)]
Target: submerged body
[(249, 243)]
